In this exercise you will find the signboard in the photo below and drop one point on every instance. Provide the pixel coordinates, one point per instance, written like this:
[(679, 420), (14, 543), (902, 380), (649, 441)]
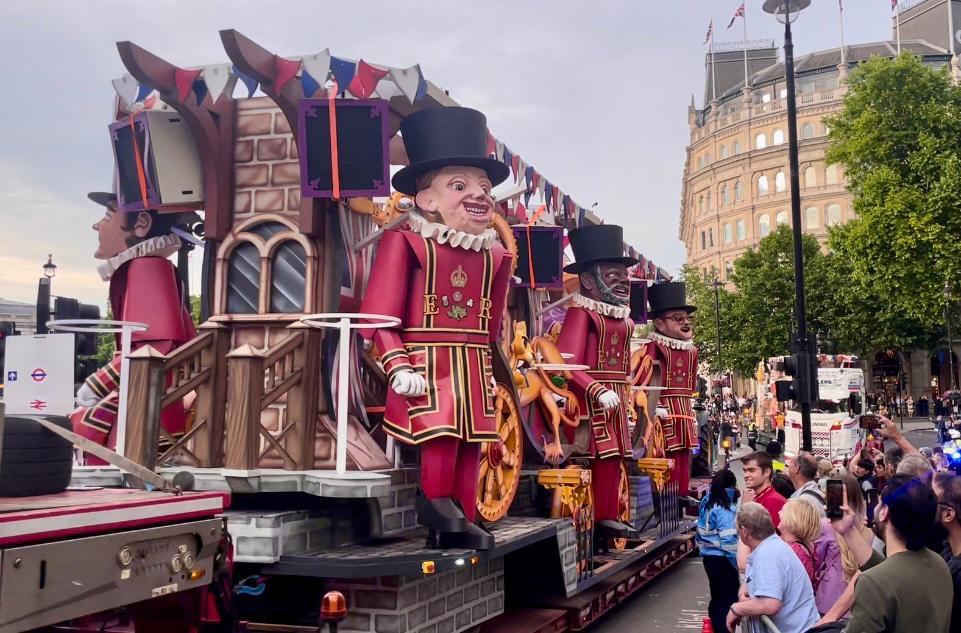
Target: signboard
[(39, 376)]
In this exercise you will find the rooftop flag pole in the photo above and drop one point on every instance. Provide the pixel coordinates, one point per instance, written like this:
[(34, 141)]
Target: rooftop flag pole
[(739, 13), (897, 22), (841, 20), (709, 40), (951, 27)]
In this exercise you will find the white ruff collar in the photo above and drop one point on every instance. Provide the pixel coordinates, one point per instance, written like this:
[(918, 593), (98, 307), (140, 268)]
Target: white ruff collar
[(607, 309), (673, 343), (159, 246), (443, 234)]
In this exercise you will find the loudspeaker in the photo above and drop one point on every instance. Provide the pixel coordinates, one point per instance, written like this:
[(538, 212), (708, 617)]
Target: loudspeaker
[(639, 301), (157, 162), (547, 244), (361, 148)]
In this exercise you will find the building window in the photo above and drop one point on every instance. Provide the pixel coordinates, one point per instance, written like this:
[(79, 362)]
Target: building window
[(710, 237), (760, 141), (831, 175), (811, 217), (700, 204), (723, 152), (703, 241), (288, 278), (762, 185), (700, 162), (779, 182), (810, 177), (781, 217), (709, 201), (807, 131), (728, 235), (725, 194), (833, 213), (765, 97), (728, 269), (243, 280), (783, 93), (737, 148), (737, 190), (741, 230), (778, 137), (764, 225)]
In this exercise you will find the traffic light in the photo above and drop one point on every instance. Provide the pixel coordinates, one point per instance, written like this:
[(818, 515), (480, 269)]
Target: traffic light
[(803, 388), (85, 343)]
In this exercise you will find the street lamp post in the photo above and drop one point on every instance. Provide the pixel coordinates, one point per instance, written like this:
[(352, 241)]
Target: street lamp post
[(43, 295), (786, 11), (717, 320), (947, 319)]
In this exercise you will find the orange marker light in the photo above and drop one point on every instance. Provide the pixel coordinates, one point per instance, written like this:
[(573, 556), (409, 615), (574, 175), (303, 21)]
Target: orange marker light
[(333, 607), (428, 567)]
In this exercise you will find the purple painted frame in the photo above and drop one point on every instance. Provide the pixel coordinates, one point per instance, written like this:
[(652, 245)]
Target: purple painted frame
[(153, 197), (554, 283), (307, 107)]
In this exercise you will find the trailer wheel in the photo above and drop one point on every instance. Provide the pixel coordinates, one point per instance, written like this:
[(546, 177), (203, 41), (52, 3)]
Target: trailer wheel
[(34, 460), (500, 465), (623, 504)]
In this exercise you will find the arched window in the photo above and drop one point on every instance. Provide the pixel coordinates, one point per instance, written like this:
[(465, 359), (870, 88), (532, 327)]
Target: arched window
[(243, 280), (760, 141), (710, 237), (765, 97), (700, 203), (723, 152), (781, 217), (812, 217), (778, 137), (725, 194), (703, 241), (780, 184), (833, 213), (737, 148), (288, 278), (709, 201), (810, 177), (764, 225), (741, 230), (728, 234), (737, 189), (807, 131), (831, 175), (700, 162), (762, 185), (728, 269)]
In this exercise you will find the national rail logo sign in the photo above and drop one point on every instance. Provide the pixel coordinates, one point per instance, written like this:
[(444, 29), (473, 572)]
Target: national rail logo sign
[(38, 375), (39, 405), (37, 383)]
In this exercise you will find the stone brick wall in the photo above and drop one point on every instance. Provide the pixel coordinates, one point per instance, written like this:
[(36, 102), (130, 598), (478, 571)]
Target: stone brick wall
[(447, 603), (397, 510), (266, 172)]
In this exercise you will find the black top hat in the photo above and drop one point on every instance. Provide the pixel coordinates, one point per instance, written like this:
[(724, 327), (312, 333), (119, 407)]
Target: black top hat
[(597, 243), (103, 198), (445, 137), (668, 296)]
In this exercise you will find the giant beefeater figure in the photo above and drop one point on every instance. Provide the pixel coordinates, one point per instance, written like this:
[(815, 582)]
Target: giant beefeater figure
[(597, 332), (445, 276)]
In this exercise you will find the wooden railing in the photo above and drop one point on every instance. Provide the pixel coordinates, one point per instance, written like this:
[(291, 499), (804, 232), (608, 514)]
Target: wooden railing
[(157, 381)]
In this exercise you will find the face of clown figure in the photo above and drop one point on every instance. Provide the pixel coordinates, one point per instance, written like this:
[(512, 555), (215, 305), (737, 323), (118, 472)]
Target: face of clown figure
[(675, 324), (119, 231), (459, 197), (607, 282)]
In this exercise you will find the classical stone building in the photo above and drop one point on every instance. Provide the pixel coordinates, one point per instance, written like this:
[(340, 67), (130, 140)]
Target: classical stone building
[(736, 184)]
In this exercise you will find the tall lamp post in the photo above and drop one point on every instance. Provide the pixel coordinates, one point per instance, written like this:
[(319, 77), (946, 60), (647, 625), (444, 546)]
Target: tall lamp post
[(43, 295), (717, 320), (786, 11), (947, 319)]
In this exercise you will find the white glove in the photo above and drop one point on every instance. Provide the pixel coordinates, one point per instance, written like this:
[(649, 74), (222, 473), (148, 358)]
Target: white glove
[(409, 384), (609, 400), (661, 412), (86, 396)]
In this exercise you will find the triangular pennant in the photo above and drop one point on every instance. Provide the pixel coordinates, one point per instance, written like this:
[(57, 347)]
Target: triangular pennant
[(520, 212), (527, 197), (308, 83), (318, 65), (184, 81), (142, 92), (515, 165), (387, 89), (520, 171), (216, 78), (421, 87), (344, 71), (248, 81), (365, 80), (498, 150), (285, 69), (548, 194), (408, 80), (126, 88), (200, 90), (536, 180), (529, 177), (508, 156)]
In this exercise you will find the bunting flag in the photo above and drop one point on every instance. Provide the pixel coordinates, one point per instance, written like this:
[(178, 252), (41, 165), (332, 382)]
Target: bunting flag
[(548, 194), (894, 5), (200, 90), (184, 80), (521, 170), (535, 179), (387, 89), (344, 71), (498, 149), (216, 79), (286, 70), (508, 157), (529, 177), (515, 165), (408, 80), (739, 14), (365, 80), (248, 81), (520, 212), (308, 84), (527, 197), (127, 89), (421, 88), (142, 92), (317, 66)]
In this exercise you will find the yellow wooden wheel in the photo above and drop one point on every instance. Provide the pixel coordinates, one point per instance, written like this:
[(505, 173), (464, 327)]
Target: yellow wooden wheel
[(623, 504), (500, 465)]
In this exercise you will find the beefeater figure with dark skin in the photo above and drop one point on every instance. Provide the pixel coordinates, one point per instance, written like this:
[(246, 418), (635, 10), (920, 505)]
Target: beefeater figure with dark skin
[(445, 276), (597, 332)]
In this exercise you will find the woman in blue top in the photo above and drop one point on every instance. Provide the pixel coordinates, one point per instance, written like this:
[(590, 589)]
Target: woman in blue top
[(717, 539)]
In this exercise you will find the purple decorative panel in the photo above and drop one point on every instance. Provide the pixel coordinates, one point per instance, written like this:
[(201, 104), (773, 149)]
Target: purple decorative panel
[(131, 147), (547, 245)]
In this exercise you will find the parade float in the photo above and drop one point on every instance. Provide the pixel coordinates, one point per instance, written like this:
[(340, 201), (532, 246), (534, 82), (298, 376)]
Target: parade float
[(421, 422)]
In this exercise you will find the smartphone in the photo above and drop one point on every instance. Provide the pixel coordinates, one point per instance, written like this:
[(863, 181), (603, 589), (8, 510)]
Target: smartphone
[(835, 499), (869, 421)]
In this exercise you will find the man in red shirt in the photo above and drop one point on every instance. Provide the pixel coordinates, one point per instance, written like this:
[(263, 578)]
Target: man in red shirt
[(758, 470)]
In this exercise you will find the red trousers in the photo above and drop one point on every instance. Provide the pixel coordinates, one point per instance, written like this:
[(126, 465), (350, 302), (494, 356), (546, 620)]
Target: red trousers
[(605, 483), (681, 473), (449, 467)]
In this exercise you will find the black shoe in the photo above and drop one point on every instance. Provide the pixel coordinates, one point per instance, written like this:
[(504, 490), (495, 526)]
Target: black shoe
[(631, 531), (476, 538), (440, 514), (612, 529)]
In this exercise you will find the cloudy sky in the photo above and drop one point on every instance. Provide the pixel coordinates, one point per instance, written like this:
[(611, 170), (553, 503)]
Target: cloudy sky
[(594, 94)]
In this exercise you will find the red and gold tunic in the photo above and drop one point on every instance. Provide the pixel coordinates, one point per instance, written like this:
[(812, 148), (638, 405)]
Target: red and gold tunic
[(602, 342), (677, 361), (450, 300)]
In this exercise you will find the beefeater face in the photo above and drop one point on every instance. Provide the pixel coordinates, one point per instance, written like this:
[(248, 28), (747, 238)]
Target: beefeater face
[(461, 197)]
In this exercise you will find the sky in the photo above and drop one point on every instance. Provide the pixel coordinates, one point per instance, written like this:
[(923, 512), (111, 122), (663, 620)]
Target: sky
[(593, 94)]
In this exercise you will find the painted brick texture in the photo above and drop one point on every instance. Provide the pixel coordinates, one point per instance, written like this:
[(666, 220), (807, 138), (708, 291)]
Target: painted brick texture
[(266, 170)]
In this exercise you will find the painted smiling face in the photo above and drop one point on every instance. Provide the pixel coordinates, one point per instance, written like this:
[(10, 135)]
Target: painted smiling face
[(460, 197), (675, 324)]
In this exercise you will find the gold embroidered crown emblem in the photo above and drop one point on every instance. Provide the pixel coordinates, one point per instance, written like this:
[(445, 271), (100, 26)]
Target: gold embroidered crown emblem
[(458, 278)]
